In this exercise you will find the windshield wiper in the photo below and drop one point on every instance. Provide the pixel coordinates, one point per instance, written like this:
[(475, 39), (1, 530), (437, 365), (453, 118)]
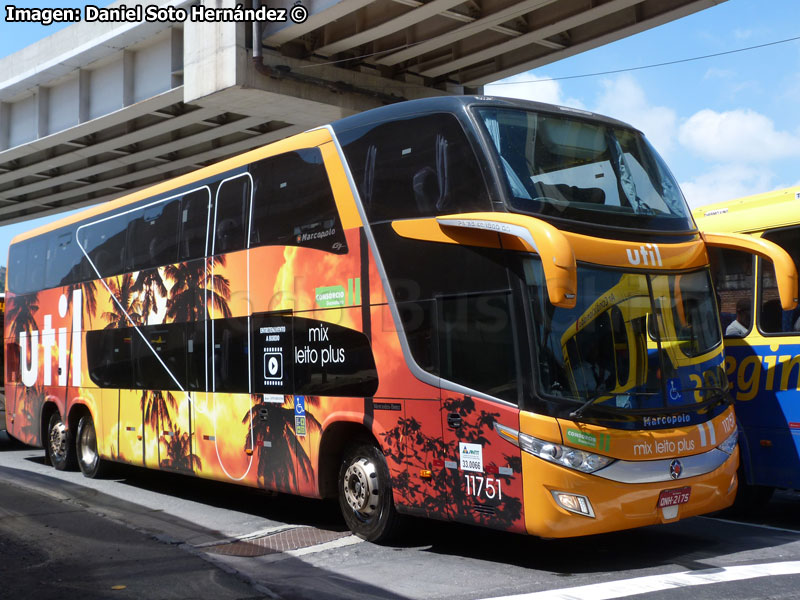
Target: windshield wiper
[(578, 412)]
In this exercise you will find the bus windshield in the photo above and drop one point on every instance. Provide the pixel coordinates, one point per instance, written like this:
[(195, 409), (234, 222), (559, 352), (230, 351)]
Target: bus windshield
[(634, 341), (587, 171)]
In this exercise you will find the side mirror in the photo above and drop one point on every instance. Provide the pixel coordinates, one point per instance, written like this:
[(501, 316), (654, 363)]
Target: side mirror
[(511, 232), (785, 269)]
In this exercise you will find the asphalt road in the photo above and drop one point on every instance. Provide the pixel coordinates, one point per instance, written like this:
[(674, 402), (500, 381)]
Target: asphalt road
[(170, 536)]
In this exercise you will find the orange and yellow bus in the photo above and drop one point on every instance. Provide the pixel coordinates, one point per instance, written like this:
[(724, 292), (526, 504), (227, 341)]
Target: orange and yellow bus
[(374, 310)]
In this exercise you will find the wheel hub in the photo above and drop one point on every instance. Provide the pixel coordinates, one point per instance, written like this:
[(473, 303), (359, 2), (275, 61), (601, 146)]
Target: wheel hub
[(361, 487), (58, 439), (88, 446)]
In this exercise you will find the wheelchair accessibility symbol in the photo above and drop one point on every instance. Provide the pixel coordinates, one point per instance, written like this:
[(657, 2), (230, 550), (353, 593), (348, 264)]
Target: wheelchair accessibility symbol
[(674, 390), (299, 416)]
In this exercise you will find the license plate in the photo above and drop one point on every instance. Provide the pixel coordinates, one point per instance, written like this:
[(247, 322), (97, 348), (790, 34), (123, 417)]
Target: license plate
[(673, 497)]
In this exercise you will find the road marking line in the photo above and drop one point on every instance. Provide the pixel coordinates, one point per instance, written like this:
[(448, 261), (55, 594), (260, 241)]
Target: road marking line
[(655, 583), (770, 527)]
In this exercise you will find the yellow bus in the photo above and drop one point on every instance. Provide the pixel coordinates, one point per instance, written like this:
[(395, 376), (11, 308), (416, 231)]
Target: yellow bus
[(374, 310), (762, 340)]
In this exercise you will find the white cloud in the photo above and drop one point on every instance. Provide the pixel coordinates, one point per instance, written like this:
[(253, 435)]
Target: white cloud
[(727, 182), (527, 86), (624, 99), (741, 135)]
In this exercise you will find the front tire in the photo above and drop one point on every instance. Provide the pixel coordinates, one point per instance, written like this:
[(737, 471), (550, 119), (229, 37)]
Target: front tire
[(59, 449), (89, 460), (365, 493)]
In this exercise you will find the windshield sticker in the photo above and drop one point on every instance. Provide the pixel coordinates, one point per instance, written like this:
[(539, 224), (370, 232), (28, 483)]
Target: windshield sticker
[(600, 441), (471, 457)]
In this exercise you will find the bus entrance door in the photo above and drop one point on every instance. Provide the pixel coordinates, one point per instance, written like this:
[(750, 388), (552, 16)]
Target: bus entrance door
[(477, 351)]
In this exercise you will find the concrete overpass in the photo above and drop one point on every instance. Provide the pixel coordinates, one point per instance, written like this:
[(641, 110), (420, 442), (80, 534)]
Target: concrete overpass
[(100, 109)]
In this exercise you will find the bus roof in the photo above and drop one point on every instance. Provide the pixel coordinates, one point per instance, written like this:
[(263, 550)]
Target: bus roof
[(751, 213), (386, 113), (456, 104), (312, 137)]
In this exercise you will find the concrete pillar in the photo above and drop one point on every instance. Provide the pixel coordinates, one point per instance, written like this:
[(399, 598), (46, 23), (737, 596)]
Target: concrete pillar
[(5, 129)]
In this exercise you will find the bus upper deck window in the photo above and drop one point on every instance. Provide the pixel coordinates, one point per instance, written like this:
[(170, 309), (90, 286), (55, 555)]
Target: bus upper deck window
[(193, 224)]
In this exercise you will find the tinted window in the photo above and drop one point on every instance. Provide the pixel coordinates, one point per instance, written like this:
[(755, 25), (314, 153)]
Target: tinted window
[(232, 208), (153, 235), (193, 224), (159, 356), (104, 242), (771, 316), (477, 345), (63, 258), (293, 203), (17, 255), (109, 355), (230, 355), (732, 272), (415, 168), (418, 320)]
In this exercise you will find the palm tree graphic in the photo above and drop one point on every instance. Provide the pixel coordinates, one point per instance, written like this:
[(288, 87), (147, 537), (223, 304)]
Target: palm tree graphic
[(125, 305), (196, 286), (275, 467)]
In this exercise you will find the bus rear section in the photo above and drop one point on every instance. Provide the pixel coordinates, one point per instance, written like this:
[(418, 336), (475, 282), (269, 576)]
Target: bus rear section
[(469, 309), (762, 339)]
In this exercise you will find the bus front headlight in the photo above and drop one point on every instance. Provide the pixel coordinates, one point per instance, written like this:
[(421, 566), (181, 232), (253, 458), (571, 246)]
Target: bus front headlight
[(566, 456)]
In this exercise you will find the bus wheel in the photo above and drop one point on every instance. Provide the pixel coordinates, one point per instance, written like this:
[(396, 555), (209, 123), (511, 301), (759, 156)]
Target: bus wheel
[(86, 449), (60, 450), (365, 493)]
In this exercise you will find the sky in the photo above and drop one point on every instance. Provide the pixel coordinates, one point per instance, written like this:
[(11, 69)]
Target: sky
[(728, 126)]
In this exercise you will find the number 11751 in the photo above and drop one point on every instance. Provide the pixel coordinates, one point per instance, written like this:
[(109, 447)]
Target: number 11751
[(488, 486)]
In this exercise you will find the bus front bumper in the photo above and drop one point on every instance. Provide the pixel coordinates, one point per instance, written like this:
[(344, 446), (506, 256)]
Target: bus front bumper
[(613, 506)]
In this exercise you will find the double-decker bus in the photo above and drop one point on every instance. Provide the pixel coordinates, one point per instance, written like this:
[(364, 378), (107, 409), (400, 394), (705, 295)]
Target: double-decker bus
[(762, 340), (375, 310)]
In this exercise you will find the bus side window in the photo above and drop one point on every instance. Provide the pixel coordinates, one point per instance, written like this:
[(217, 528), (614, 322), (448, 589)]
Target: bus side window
[(230, 355), (63, 257), (160, 358), (231, 212), (732, 272), (293, 203), (771, 317), (17, 255), (195, 356), (104, 242), (35, 263), (153, 236), (477, 346), (415, 168), (193, 224), (109, 356)]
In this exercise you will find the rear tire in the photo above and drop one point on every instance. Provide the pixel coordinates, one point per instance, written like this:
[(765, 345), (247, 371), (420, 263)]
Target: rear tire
[(365, 493), (59, 447), (89, 460)]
